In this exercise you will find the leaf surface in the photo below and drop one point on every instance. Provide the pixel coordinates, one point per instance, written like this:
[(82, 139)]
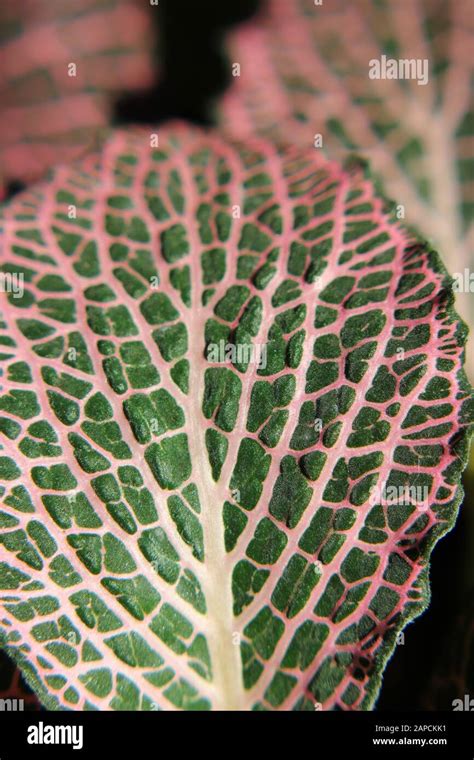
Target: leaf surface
[(305, 72), (186, 526)]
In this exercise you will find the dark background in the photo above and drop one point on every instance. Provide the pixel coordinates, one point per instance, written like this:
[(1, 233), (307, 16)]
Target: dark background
[(194, 69)]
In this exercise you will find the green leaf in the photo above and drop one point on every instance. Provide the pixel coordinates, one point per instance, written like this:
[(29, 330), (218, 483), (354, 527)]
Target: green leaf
[(221, 475)]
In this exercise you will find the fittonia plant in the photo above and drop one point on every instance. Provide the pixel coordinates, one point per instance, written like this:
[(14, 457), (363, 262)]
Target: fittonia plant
[(392, 80), (185, 533), (62, 62)]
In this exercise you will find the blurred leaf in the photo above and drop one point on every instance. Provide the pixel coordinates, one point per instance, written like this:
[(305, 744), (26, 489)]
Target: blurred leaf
[(304, 72), (62, 63)]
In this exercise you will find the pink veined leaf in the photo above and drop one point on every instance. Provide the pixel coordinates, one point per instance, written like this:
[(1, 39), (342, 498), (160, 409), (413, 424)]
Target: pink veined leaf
[(48, 115), (61, 64), (306, 77), (233, 420)]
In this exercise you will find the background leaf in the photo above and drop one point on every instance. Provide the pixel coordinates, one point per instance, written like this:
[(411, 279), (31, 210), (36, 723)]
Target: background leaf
[(49, 115), (304, 71)]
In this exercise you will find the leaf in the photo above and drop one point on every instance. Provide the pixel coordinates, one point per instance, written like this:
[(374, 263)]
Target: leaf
[(62, 62), (209, 374), (304, 72)]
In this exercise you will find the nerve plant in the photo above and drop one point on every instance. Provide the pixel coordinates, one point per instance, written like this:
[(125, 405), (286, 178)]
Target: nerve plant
[(182, 532)]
